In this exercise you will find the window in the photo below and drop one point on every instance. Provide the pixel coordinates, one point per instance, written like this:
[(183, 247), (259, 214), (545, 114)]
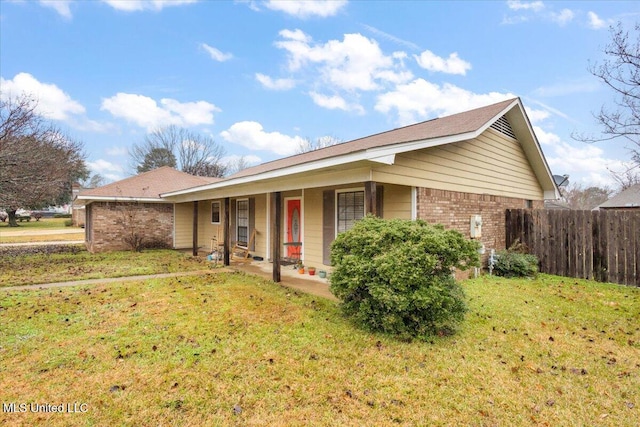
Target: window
[(242, 224), (350, 208), (215, 212)]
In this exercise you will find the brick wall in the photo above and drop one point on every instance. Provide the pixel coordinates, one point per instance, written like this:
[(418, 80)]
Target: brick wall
[(454, 210), (78, 216), (110, 222)]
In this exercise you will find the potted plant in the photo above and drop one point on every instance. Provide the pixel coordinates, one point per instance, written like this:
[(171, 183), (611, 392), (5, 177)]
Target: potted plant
[(312, 271), (300, 268), (322, 274)]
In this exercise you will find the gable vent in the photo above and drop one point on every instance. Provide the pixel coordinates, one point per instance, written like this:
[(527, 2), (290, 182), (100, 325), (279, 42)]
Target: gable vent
[(502, 125)]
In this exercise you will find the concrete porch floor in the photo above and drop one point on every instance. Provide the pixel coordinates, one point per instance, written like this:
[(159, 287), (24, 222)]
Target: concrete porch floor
[(290, 278)]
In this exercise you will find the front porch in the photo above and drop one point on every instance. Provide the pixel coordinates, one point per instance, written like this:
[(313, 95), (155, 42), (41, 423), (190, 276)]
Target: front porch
[(313, 285)]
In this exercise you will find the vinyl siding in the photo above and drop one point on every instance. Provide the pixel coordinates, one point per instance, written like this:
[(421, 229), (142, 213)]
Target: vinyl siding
[(183, 225), (207, 230), (313, 227), (396, 201), (261, 225), (490, 164)]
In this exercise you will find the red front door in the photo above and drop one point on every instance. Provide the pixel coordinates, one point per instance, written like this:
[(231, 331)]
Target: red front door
[(294, 231)]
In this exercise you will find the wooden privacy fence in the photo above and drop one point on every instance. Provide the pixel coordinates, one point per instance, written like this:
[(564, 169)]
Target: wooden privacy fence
[(599, 245)]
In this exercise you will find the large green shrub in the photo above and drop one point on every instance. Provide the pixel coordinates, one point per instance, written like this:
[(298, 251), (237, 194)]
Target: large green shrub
[(516, 262), (395, 276)]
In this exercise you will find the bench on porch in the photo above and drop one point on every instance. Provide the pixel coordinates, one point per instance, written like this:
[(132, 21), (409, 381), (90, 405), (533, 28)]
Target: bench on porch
[(241, 249)]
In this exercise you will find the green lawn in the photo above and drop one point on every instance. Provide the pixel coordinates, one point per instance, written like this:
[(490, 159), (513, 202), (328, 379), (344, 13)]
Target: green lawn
[(44, 223), (48, 268), (232, 349)]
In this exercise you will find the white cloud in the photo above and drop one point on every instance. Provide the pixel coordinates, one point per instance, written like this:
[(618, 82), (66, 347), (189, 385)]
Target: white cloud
[(585, 163), (335, 102), (579, 85), (355, 63), (252, 135), (537, 115), (452, 65), (307, 8), (109, 170), (53, 102), (391, 37), (215, 54), (146, 112), (60, 6), (535, 6), (117, 151), (546, 138), (420, 100), (595, 22), (275, 84), (563, 17), (139, 5)]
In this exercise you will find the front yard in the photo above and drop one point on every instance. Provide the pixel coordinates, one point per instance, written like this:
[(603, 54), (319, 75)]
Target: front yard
[(23, 267), (232, 349)]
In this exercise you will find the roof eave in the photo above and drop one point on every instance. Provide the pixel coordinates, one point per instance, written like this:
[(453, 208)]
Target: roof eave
[(85, 200), (384, 155)]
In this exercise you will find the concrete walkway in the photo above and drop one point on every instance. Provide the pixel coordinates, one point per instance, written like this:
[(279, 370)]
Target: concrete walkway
[(48, 243), (313, 285), (306, 284), (6, 231), (114, 280)]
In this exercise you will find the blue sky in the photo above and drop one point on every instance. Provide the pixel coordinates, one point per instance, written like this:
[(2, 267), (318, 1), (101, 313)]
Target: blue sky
[(259, 76)]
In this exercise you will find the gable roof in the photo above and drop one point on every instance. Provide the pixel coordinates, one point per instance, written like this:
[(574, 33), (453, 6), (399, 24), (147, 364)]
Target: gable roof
[(147, 186), (455, 124), (383, 147), (629, 198)]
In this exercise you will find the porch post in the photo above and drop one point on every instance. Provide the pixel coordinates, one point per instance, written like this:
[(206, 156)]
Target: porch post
[(276, 225), (227, 232), (195, 229), (370, 202)]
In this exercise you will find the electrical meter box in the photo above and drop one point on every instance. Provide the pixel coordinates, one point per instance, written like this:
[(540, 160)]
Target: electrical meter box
[(476, 226)]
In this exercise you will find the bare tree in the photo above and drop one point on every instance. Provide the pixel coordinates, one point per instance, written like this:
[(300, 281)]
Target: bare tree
[(93, 181), (576, 196), (620, 71), (629, 176), (178, 147), (237, 165), (38, 163), (324, 141)]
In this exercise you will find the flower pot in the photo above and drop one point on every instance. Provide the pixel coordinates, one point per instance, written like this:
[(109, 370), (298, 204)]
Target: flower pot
[(300, 270), (312, 272), (322, 274)]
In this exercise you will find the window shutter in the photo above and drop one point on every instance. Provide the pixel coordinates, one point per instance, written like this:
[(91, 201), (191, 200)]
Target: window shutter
[(252, 219), (379, 201), (328, 224)]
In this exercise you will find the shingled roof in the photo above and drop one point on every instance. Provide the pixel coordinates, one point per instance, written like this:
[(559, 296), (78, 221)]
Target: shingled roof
[(456, 124), (629, 198), (147, 185)]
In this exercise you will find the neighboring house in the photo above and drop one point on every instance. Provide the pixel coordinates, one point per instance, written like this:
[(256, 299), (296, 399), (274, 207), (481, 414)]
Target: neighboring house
[(627, 199), (462, 171)]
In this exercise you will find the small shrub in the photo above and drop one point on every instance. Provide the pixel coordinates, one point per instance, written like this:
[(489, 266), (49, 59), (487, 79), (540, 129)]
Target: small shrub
[(59, 215), (395, 276), (516, 262), (155, 244), (68, 223), (37, 216), (134, 240)]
